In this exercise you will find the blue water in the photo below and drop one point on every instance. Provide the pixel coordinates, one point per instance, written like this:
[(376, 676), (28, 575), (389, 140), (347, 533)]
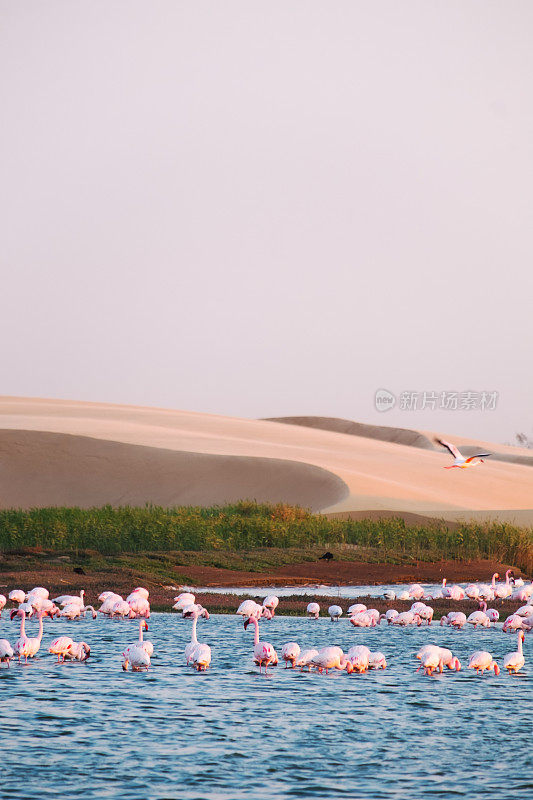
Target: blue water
[(92, 730)]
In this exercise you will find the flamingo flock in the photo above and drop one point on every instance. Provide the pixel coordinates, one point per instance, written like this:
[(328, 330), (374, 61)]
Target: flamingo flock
[(358, 658)]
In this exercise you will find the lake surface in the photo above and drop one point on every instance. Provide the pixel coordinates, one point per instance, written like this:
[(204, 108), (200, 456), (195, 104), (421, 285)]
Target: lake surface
[(92, 730)]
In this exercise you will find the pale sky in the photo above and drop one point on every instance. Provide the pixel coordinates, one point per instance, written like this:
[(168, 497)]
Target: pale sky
[(263, 209)]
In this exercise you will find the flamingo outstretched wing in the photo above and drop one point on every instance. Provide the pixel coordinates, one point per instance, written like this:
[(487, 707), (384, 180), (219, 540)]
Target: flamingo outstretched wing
[(479, 455), (450, 447)]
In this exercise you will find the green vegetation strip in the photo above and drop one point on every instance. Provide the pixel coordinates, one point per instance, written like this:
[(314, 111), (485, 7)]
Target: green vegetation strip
[(247, 525)]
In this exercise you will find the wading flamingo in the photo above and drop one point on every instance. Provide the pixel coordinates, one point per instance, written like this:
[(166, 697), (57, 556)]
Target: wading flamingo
[(377, 660), (70, 599), (17, 596), (461, 461), (512, 662), (3, 601), (313, 610), (6, 651), (193, 612), (137, 653), (357, 608), (60, 647), (332, 658), (479, 617), (359, 656), (264, 653), (335, 612), (452, 592), (290, 652), (271, 603), (481, 660), (28, 646), (306, 659), (182, 600)]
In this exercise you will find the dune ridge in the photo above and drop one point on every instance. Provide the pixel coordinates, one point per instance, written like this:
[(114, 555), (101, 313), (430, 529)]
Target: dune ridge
[(379, 475)]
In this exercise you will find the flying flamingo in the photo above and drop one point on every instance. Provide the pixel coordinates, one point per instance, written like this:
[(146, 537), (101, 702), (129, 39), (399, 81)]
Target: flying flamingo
[(482, 660), (290, 652), (460, 461), (515, 661), (264, 653), (313, 610), (193, 612)]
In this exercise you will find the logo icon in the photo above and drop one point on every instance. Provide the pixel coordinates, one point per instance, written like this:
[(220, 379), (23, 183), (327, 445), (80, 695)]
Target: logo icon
[(384, 400)]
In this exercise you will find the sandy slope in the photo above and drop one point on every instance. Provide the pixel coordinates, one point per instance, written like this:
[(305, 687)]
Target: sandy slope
[(378, 474)]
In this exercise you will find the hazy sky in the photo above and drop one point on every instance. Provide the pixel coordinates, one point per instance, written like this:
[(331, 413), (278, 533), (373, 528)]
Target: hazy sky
[(264, 209)]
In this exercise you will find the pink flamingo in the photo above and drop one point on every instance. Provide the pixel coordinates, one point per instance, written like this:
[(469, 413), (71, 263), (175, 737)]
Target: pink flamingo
[(452, 592), (264, 653), (481, 660), (26, 646), (313, 610), (332, 658), (515, 661), (290, 652)]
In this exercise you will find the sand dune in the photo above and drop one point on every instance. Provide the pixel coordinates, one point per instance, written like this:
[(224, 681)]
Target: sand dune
[(379, 475), (43, 469), (382, 432)]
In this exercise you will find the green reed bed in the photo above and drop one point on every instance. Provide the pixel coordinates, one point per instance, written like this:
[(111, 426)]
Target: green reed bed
[(247, 525)]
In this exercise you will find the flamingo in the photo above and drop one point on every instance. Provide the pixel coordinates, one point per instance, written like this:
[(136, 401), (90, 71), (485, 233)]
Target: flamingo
[(479, 617), (139, 605), (456, 619), (313, 610), (460, 461), (356, 608), (139, 592), (481, 660), (513, 623), (335, 612), (472, 591), (249, 608), (377, 660), (193, 612), (3, 601), (362, 619), (430, 661), (108, 602), (523, 594), (447, 659), (137, 654), (290, 652), (389, 615), (416, 591), (78, 651), (306, 659), (359, 656), (202, 657), (503, 590), (60, 647), (26, 646), (264, 653), (182, 600), (121, 609), (454, 592), (492, 614), (38, 592), (17, 596), (512, 662), (424, 612), (524, 611), (69, 599), (407, 618), (331, 658), (47, 606), (6, 651), (271, 603)]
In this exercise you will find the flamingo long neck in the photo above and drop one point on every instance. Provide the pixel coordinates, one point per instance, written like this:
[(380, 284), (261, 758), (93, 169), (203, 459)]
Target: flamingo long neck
[(141, 629), (507, 579), (494, 580), (193, 634), (483, 606), (520, 642), (443, 582), (23, 625), (256, 626)]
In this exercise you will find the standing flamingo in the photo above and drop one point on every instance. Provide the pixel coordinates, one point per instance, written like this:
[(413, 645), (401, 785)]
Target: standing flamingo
[(313, 610), (193, 612), (515, 661), (6, 651), (332, 658), (481, 660), (335, 612), (264, 653), (290, 652), (26, 646)]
